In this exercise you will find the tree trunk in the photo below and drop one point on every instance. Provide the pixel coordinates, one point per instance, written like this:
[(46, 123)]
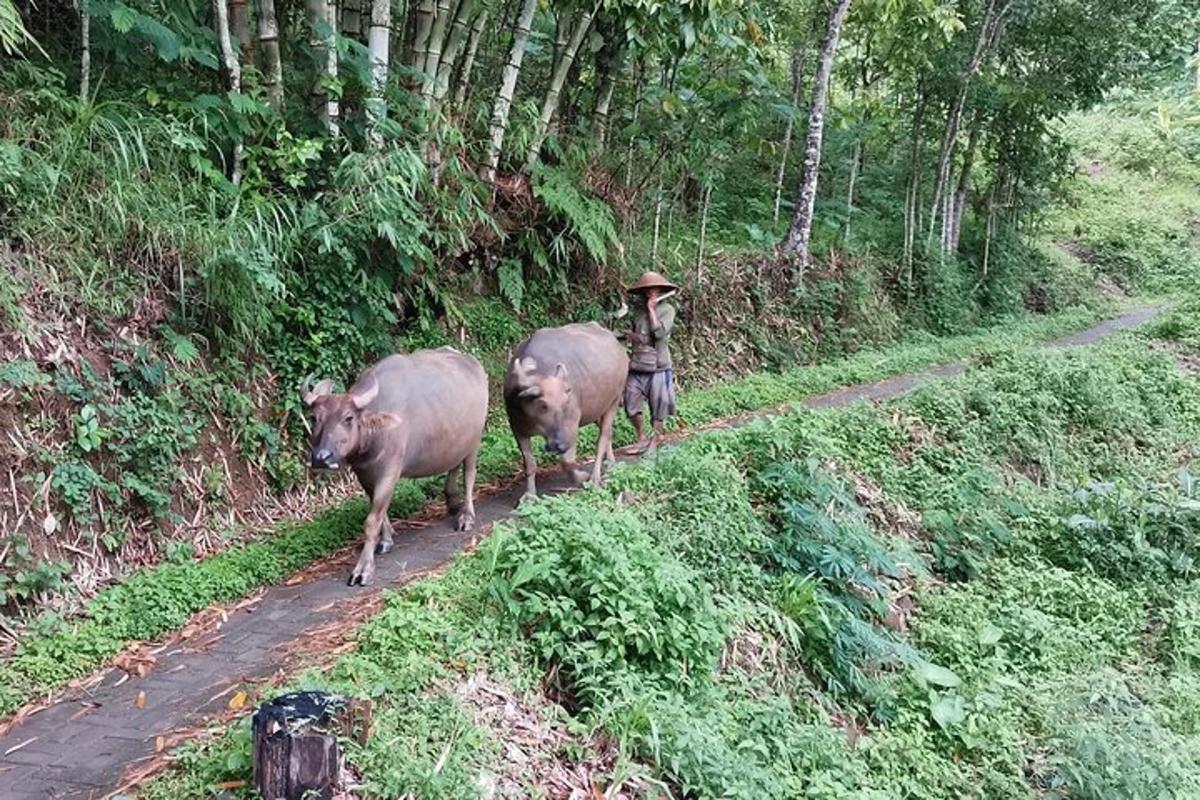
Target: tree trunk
[(608, 67), (239, 28), (459, 31), (333, 104), (797, 66), (639, 78), (85, 46), (1198, 66), (423, 20), (468, 64), (658, 207), (988, 233), (319, 39), (554, 93), (953, 230), (703, 231), (379, 39), (988, 34), (352, 26), (231, 72), (912, 196), (799, 236), (508, 85), (855, 165), (268, 43), (604, 96), (435, 45)]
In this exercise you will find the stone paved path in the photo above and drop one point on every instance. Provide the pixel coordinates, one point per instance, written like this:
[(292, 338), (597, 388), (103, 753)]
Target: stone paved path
[(83, 745)]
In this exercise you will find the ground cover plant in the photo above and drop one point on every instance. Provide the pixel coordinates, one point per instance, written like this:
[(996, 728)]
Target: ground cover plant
[(159, 600), (785, 610)]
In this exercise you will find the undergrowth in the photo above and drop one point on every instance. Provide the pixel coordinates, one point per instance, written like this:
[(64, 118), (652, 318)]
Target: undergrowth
[(816, 636), (59, 650)]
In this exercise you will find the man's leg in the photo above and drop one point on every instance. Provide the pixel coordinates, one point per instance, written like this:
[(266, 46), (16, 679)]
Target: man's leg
[(636, 396)]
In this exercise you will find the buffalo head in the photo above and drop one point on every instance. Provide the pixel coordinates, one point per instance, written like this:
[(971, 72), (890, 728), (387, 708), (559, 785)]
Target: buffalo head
[(340, 426), (549, 401)]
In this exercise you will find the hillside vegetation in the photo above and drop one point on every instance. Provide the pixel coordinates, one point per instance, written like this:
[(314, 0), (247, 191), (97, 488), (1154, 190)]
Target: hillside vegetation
[(987, 589), (200, 204)]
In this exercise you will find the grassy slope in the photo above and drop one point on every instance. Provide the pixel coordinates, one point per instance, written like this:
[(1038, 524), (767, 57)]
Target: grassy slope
[(727, 631), (154, 602)]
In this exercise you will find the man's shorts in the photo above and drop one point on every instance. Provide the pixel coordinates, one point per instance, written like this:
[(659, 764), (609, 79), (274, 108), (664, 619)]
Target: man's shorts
[(655, 388)]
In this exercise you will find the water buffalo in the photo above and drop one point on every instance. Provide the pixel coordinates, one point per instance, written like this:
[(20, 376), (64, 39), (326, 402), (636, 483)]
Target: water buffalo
[(407, 416), (558, 380)]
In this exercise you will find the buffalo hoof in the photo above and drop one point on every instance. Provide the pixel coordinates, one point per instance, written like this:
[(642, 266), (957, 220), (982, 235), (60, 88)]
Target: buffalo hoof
[(465, 522), (383, 548), (361, 576), (527, 498), (580, 477)]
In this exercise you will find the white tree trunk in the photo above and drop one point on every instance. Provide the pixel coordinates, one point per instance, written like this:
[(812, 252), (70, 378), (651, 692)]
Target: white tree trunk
[(379, 39), (952, 230), (989, 28), (231, 71), (508, 86), (464, 73), (85, 46), (703, 232), (268, 45), (424, 15), (435, 45), (460, 30), (799, 236), (333, 105), (639, 78), (320, 39), (557, 80), (855, 164), (797, 66), (658, 207)]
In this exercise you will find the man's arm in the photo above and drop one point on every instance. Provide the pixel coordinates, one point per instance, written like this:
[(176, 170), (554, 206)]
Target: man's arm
[(662, 323)]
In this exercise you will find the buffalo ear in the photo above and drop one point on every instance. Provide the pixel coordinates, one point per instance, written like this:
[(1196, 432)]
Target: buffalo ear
[(310, 394), (380, 420), (363, 399)]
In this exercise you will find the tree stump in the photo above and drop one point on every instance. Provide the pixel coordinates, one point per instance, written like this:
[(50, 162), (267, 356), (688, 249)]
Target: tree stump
[(296, 752)]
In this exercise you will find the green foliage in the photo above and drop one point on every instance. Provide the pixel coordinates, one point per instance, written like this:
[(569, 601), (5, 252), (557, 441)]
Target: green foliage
[(600, 598)]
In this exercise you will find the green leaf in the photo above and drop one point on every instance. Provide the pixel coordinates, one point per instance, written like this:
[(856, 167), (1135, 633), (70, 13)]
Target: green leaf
[(990, 635), (948, 711), (937, 676), (123, 18)]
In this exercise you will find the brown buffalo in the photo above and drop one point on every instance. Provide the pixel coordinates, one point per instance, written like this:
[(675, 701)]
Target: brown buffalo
[(408, 416), (560, 379)]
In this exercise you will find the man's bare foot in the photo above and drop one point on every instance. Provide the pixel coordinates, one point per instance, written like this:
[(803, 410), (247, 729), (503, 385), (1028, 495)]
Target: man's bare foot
[(637, 448)]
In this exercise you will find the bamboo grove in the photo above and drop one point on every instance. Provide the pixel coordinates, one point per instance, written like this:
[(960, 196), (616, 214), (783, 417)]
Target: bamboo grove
[(922, 131)]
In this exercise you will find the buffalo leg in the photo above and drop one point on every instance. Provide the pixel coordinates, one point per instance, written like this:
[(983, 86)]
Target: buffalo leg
[(454, 498), (381, 498), (386, 532), (604, 444), (567, 463), (466, 517), (526, 446)]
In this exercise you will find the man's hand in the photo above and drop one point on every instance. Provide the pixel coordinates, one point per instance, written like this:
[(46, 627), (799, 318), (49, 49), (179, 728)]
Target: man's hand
[(652, 296)]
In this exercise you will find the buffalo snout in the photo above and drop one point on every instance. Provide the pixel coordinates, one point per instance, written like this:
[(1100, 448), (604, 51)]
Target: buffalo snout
[(556, 444), (323, 458)]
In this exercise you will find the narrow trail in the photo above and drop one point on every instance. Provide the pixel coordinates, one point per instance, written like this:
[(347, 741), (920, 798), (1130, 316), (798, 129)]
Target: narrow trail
[(91, 741)]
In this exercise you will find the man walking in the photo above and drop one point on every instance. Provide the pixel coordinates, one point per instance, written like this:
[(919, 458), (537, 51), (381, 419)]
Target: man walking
[(651, 381)]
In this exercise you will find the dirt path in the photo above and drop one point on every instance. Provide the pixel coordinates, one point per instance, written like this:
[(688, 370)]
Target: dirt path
[(92, 740)]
